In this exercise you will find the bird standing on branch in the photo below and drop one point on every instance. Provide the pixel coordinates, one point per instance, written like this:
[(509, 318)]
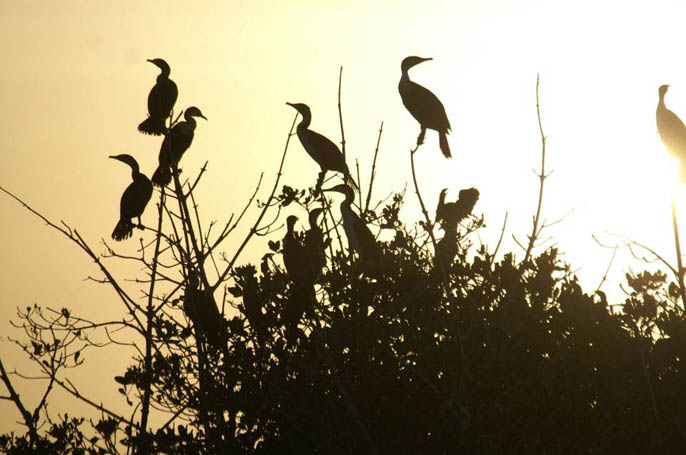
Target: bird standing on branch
[(424, 106), (299, 270), (450, 214), (360, 238), (672, 131), (160, 101), (320, 148), (133, 201), (175, 143)]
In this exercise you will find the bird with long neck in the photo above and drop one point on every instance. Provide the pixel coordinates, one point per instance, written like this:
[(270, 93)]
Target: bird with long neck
[(314, 244), (299, 270), (175, 143), (324, 152), (133, 201), (161, 101), (424, 106), (360, 238), (672, 131)]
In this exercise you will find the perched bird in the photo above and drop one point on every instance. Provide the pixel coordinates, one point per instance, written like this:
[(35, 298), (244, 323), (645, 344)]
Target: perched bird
[(314, 244), (160, 101), (246, 279), (672, 131), (133, 201), (202, 310), (299, 270), (295, 256), (450, 215), (174, 145), (360, 238), (424, 106), (320, 148)]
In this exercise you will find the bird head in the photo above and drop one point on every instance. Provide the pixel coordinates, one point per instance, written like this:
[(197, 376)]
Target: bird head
[(290, 222), (663, 89), (161, 64), (411, 61), (128, 159), (193, 112), (468, 198), (314, 214), (304, 109)]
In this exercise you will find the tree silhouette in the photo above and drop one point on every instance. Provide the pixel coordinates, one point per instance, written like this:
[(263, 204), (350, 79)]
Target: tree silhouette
[(447, 348)]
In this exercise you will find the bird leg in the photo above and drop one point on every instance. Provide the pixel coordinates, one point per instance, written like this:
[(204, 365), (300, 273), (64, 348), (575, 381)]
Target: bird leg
[(140, 224), (420, 138)]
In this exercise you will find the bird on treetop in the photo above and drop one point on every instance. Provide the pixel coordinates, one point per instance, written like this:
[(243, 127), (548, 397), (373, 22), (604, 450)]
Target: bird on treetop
[(424, 106)]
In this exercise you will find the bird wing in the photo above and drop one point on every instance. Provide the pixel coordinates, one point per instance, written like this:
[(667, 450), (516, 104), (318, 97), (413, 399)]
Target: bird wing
[(135, 198), (325, 152), (672, 132), (176, 143), (366, 240), (425, 107), (162, 98)]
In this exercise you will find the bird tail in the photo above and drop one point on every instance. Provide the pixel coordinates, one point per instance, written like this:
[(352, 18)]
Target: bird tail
[(443, 142), (123, 230), (162, 176), (153, 125)]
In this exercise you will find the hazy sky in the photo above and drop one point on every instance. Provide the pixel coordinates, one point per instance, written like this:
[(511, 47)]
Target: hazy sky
[(74, 83)]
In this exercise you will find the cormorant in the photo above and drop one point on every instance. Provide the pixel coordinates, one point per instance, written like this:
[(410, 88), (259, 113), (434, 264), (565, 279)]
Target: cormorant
[(175, 143), (424, 106), (246, 279), (202, 310), (360, 238), (314, 244), (672, 131), (160, 101), (320, 148), (298, 268), (133, 201), (450, 215)]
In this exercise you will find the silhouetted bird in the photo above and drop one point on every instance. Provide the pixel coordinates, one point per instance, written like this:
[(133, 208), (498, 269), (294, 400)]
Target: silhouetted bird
[(672, 131), (424, 106), (202, 310), (160, 101), (175, 143), (314, 244), (321, 149), (360, 238), (299, 270), (450, 215), (246, 279), (133, 201)]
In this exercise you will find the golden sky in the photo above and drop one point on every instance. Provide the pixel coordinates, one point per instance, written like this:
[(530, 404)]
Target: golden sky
[(74, 82)]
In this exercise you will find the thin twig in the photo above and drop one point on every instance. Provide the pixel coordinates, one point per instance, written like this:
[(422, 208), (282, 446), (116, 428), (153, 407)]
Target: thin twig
[(371, 178), (340, 112), (535, 231), (255, 226)]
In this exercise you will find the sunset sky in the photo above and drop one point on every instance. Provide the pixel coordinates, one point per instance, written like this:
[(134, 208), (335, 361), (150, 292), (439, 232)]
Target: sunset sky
[(74, 83)]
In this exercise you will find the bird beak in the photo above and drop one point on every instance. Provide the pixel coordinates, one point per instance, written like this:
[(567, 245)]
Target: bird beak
[(113, 157), (290, 104), (203, 116), (149, 60), (427, 59)]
